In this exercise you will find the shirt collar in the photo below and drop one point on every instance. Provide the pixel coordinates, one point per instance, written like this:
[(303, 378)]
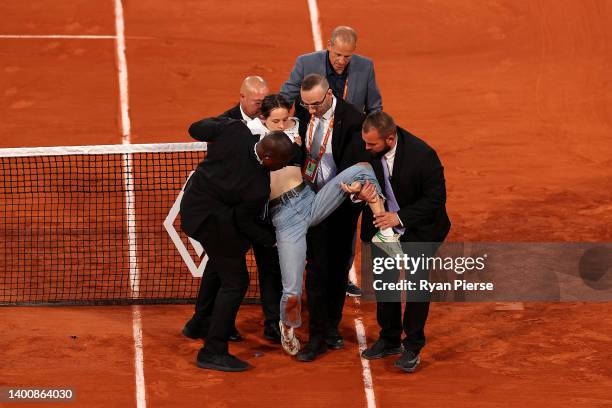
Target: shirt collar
[(246, 117), (258, 128), (256, 155), (330, 112), (391, 153)]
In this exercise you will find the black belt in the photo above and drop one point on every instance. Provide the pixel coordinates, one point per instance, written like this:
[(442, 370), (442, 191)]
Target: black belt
[(294, 192)]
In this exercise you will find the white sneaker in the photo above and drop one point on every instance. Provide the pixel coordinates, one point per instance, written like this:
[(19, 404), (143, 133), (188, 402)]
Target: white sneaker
[(391, 245), (290, 343)]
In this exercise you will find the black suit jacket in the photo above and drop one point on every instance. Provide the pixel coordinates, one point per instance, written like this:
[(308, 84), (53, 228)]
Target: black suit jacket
[(347, 145), (229, 180), (419, 187), (233, 113)]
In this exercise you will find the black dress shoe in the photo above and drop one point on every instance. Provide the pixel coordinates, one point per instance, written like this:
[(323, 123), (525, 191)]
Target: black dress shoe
[(380, 349), (408, 362), (311, 351), (193, 330), (221, 362), (334, 342), (271, 332)]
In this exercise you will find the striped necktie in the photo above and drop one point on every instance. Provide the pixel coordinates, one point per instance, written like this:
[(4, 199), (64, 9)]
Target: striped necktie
[(317, 139)]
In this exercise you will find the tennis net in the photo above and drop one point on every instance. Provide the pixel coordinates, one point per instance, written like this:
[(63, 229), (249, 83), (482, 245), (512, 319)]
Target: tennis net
[(98, 225)]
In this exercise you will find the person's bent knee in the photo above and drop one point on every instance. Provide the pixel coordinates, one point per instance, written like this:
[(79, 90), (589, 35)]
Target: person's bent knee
[(291, 294)]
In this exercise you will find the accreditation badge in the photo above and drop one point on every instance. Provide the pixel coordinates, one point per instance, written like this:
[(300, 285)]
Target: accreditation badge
[(310, 169)]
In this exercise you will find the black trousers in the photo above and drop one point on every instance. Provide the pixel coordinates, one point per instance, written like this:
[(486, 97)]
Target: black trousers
[(270, 287), (225, 280), (389, 317), (329, 251), (270, 282), (389, 313)]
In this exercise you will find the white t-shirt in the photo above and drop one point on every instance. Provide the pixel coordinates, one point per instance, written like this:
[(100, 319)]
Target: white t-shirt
[(258, 128)]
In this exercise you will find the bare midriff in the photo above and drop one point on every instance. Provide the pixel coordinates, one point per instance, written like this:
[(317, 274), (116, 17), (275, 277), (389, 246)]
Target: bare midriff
[(284, 180)]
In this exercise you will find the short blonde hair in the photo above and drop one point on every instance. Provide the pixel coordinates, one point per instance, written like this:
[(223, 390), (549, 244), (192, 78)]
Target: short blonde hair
[(345, 34)]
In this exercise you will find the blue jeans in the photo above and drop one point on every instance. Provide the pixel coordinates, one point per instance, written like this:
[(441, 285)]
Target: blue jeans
[(292, 218)]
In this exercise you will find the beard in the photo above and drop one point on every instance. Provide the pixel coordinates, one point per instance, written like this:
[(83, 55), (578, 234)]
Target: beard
[(380, 154)]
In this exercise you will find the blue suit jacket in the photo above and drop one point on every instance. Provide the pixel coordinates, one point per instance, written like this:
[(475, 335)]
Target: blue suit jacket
[(362, 89)]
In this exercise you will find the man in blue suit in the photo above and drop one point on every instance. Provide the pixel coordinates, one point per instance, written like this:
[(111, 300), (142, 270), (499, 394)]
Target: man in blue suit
[(350, 76)]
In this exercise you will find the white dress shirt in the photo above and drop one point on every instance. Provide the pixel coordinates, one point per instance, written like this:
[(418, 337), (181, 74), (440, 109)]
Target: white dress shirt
[(246, 117), (327, 167), (390, 160), (257, 128)]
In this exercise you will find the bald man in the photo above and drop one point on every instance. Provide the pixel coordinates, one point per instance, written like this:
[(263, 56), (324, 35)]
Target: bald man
[(252, 91), (351, 76)]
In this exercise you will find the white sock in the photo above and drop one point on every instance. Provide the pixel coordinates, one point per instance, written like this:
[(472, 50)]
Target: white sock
[(387, 232)]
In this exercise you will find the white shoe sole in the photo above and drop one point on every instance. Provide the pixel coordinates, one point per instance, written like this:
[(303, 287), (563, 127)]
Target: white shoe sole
[(391, 248)]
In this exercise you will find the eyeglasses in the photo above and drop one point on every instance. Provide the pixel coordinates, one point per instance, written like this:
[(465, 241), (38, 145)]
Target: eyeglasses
[(316, 104)]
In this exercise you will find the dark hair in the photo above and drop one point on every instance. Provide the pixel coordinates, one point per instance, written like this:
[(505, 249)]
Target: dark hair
[(271, 102), (312, 80), (277, 144), (381, 121)]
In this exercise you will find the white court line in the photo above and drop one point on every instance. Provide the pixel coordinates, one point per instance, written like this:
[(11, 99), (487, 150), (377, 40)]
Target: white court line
[(122, 70), (141, 401), (141, 398), (368, 384), (67, 37), (130, 210), (126, 139), (315, 25), (58, 36)]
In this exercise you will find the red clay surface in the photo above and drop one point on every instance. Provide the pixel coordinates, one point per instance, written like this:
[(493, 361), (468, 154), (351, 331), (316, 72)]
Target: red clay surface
[(199, 56), (515, 97), (52, 91)]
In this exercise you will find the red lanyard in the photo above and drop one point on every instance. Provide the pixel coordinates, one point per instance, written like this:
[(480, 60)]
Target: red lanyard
[(345, 93), (323, 146)]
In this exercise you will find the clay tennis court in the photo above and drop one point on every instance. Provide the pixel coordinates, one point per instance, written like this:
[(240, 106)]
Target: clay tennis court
[(515, 96)]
